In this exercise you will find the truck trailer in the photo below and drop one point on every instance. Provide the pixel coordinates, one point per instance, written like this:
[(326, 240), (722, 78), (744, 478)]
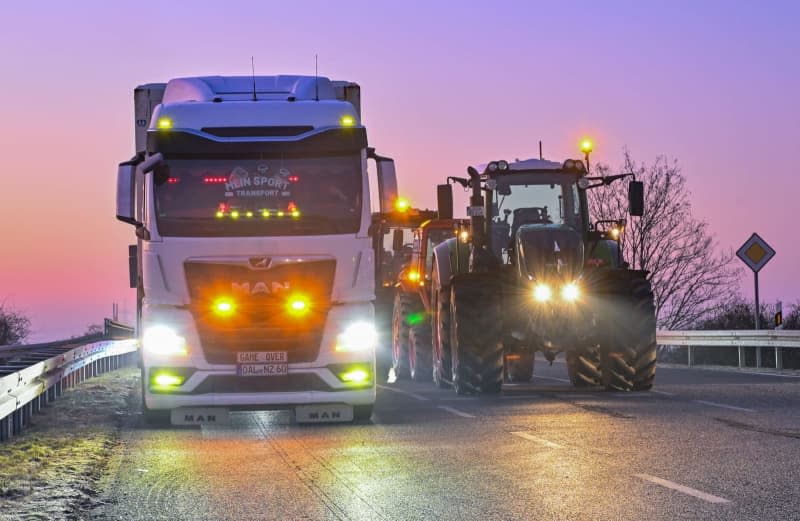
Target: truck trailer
[(254, 266)]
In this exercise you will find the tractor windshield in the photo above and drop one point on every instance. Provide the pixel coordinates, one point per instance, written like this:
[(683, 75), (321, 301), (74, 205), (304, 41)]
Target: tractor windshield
[(537, 199)]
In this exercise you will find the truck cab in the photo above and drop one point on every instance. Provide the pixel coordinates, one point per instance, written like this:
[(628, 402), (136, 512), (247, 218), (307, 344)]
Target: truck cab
[(254, 266)]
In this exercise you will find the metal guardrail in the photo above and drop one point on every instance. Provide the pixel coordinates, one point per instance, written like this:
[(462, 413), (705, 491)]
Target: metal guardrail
[(777, 339), (31, 376)]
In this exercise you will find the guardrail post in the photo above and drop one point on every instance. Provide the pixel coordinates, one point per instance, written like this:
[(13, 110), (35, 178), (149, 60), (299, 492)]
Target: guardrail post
[(758, 357), (690, 356), (778, 358), (741, 357), (5, 428), (16, 422)]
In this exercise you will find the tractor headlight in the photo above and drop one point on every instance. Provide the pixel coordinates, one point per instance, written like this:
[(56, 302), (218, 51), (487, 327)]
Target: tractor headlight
[(542, 292), (163, 340), (570, 292), (358, 336)]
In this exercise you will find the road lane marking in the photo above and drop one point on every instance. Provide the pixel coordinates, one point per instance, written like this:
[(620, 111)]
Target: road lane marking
[(407, 393), (685, 490), (724, 406), (541, 441), (551, 378), (456, 412), (665, 393)]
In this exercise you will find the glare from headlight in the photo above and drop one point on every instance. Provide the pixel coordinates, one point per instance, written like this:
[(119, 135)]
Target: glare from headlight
[(542, 293), (570, 292), (358, 336), (163, 340)]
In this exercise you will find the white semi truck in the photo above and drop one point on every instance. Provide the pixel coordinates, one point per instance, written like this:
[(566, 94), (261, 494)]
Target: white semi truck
[(254, 267)]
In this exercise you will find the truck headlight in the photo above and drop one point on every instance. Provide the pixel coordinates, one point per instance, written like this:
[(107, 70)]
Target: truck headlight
[(570, 292), (163, 340), (542, 292), (358, 336)]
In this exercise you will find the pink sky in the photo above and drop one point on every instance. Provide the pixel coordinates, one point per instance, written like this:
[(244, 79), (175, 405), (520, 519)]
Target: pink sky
[(713, 86)]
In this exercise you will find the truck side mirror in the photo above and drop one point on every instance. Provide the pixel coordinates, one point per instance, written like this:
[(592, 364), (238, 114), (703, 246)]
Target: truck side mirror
[(397, 240), (126, 193), (444, 201), (636, 198), (387, 183)]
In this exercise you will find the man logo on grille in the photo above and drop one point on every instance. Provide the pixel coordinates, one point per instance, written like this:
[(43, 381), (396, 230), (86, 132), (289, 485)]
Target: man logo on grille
[(259, 287)]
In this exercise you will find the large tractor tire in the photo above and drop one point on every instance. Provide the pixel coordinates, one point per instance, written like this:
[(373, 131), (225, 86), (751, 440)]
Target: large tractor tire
[(629, 364), (440, 333), (583, 368), (519, 367), (475, 337), (420, 363), (403, 307)]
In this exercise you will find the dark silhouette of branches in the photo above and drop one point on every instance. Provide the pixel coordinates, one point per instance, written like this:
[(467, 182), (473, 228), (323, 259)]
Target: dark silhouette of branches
[(691, 279), (14, 326)]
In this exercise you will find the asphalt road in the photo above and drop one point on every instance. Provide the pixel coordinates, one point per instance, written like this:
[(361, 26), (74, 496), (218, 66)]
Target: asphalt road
[(702, 445)]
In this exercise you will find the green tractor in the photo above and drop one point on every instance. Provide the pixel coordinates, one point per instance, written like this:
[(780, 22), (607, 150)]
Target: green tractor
[(533, 273)]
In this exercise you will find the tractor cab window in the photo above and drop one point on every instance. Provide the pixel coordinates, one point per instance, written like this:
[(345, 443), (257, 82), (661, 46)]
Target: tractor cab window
[(539, 199), (435, 237)]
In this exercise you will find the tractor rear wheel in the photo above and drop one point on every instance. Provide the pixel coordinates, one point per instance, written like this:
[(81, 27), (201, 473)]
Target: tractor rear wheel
[(419, 353), (475, 337), (403, 307), (630, 364), (583, 368), (440, 332)]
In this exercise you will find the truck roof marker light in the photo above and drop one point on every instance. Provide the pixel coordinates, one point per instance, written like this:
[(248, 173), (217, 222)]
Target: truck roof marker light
[(295, 213), (220, 214), (235, 214), (164, 123), (249, 214), (280, 213), (347, 121), (402, 205), (265, 213)]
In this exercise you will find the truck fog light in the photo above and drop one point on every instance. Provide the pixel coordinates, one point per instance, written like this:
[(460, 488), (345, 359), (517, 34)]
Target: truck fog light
[(570, 292), (356, 376), (542, 293), (358, 336), (164, 379), (163, 340)]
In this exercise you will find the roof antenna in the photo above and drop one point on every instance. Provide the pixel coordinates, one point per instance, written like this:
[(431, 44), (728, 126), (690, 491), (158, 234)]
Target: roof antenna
[(253, 69), (540, 150), (316, 78)]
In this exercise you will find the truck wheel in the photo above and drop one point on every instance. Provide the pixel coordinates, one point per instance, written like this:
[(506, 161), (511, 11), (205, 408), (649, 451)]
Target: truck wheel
[(583, 368), (403, 304), (440, 331), (630, 365), (519, 367), (362, 413), (477, 352), (419, 353)]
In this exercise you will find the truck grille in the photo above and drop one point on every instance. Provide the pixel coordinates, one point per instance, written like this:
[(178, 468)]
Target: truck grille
[(260, 320)]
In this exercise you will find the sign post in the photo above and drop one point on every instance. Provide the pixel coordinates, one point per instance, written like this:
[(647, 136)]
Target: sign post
[(756, 253)]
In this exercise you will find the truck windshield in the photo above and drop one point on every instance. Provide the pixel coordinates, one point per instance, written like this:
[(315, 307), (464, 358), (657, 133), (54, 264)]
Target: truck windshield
[(260, 197)]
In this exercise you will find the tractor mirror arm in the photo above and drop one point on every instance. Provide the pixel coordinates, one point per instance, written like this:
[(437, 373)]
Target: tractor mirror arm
[(607, 180), (460, 180)]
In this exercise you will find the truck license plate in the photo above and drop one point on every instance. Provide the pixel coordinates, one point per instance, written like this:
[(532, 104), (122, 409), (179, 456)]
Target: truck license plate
[(262, 363)]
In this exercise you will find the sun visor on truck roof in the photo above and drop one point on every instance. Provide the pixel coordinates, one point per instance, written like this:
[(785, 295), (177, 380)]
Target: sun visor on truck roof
[(330, 141)]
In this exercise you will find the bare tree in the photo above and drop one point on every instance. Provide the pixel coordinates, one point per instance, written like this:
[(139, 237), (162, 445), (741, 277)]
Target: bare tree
[(691, 278), (14, 326), (94, 329)]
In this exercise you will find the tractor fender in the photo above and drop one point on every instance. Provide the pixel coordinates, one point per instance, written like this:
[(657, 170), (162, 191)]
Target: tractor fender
[(445, 262)]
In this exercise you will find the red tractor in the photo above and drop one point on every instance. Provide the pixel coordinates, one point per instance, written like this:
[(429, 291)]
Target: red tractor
[(411, 312)]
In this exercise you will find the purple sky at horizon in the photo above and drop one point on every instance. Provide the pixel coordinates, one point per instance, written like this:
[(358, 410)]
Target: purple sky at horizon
[(712, 84)]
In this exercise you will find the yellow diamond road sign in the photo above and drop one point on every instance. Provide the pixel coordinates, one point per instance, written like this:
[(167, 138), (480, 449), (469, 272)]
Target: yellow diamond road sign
[(756, 253)]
